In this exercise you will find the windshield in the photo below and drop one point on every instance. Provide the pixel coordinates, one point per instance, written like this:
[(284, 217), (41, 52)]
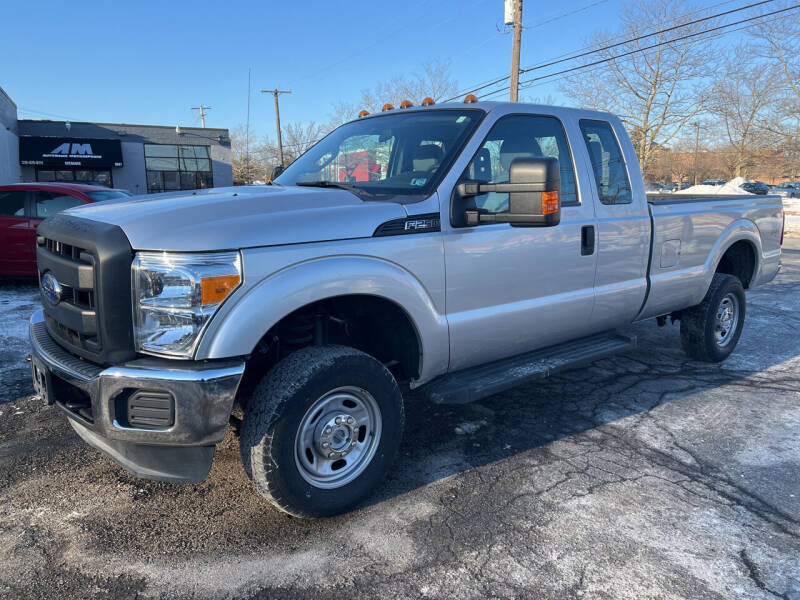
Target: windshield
[(109, 195), (398, 153)]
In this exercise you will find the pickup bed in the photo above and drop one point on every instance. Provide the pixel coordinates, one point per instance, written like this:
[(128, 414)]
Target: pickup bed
[(460, 249)]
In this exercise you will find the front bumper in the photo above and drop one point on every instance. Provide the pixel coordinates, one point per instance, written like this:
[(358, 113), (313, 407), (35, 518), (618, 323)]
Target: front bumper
[(203, 393)]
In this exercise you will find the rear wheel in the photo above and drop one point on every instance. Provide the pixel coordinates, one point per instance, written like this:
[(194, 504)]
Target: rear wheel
[(321, 430), (711, 330)]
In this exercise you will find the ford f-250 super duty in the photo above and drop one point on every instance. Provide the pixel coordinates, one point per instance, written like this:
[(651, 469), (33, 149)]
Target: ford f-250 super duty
[(459, 248)]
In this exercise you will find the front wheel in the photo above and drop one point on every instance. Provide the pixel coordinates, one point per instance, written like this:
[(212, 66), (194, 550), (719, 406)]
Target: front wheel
[(711, 330), (321, 430)]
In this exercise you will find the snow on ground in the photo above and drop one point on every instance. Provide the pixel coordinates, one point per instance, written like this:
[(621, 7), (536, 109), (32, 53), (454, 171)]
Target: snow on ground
[(17, 302), (791, 208), (732, 187)]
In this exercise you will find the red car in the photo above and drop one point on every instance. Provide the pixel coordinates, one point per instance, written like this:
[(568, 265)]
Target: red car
[(24, 205)]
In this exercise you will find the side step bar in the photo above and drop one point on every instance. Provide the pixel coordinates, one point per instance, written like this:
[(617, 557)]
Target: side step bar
[(469, 385)]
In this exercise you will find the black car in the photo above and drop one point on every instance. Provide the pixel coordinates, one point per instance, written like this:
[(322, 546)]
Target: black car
[(755, 187)]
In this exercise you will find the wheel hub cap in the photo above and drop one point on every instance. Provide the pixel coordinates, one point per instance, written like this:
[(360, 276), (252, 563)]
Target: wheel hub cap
[(337, 435), (727, 319)]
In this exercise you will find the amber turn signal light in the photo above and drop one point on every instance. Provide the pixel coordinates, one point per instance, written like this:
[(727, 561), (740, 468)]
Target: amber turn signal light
[(549, 203), (216, 289)]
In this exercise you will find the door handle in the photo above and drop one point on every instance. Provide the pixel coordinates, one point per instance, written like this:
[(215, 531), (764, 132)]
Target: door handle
[(587, 240)]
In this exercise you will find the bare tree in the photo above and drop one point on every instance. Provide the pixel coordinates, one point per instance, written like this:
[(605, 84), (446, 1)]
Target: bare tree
[(299, 137), (744, 104), (245, 160), (779, 42), (432, 80), (655, 92)]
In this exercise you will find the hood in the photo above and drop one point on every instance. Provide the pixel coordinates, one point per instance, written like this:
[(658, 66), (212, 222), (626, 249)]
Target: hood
[(241, 217)]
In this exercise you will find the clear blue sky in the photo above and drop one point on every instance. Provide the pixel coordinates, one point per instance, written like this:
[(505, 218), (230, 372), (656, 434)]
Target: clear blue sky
[(149, 62)]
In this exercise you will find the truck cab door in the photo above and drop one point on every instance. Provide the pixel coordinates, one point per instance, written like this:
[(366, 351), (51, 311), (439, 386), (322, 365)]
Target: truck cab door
[(623, 224), (509, 289)]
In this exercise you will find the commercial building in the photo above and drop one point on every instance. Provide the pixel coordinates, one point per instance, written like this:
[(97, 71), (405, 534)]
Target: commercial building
[(139, 158)]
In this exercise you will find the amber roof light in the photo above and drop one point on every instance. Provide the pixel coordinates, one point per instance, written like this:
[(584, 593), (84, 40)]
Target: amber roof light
[(406, 104), (428, 101), (363, 113), (387, 106), (470, 98)]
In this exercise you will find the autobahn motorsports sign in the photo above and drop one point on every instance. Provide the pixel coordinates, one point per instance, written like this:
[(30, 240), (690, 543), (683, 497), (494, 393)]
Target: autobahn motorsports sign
[(69, 152)]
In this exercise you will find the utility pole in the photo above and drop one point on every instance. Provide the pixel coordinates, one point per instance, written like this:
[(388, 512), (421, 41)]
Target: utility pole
[(276, 92), (696, 149), (515, 50), (202, 110)]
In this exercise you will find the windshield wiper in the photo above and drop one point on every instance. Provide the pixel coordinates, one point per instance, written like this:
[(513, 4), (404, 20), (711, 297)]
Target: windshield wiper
[(330, 184)]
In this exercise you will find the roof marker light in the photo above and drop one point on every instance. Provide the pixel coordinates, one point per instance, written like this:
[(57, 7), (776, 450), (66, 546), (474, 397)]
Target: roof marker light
[(363, 113), (406, 104), (386, 107), (470, 98), (428, 101)]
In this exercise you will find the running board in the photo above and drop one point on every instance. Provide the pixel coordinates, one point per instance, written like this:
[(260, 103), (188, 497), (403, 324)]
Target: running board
[(479, 382)]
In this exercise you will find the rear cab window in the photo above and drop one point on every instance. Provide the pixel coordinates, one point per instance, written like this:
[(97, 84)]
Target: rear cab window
[(608, 162)]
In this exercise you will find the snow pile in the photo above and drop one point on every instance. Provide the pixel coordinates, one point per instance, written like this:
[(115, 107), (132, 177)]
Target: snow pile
[(732, 187), (791, 210)]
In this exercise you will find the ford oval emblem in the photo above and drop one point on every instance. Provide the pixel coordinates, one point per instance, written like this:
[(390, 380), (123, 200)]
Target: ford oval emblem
[(51, 289)]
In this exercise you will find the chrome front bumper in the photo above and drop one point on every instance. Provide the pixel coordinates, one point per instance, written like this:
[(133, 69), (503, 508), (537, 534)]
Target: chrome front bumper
[(203, 394)]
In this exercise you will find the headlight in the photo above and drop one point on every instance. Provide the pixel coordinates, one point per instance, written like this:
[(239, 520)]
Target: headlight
[(175, 296)]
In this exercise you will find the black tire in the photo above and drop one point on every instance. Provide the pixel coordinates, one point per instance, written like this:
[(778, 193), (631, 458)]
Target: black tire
[(280, 404), (699, 323)]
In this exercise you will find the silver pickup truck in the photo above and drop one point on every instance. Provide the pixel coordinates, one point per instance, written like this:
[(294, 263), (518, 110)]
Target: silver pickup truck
[(456, 250)]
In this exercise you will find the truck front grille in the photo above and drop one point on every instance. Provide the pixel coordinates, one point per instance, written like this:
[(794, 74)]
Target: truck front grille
[(91, 262), (71, 319)]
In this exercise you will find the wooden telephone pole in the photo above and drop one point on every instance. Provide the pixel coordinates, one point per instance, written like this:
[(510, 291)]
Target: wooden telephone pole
[(202, 110), (276, 92), (515, 50)]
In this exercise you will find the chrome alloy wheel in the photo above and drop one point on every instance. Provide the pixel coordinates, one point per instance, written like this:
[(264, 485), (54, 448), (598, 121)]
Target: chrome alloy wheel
[(726, 320), (337, 437)]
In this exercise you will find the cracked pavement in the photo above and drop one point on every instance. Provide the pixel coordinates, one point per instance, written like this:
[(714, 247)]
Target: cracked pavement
[(645, 475)]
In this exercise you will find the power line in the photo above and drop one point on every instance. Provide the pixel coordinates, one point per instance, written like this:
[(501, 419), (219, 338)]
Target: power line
[(615, 45), (564, 15), (624, 54)]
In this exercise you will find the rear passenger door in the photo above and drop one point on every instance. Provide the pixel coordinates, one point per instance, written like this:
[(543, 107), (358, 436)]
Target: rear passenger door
[(16, 246), (623, 227)]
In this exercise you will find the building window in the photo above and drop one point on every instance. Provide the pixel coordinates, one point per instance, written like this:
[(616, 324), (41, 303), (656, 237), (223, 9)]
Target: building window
[(93, 176), (171, 167)]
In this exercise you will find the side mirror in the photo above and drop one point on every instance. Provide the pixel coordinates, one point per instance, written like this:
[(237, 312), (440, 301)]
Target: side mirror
[(276, 171), (533, 196)]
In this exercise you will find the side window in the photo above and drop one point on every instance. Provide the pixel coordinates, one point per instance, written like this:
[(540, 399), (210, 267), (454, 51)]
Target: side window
[(608, 164), (12, 204), (521, 136), (49, 203)]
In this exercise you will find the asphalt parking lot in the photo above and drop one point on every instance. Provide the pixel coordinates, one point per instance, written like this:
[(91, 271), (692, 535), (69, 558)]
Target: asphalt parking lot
[(643, 476)]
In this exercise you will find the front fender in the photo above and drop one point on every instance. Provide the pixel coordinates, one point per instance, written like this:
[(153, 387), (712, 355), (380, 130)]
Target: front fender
[(251, 312)]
